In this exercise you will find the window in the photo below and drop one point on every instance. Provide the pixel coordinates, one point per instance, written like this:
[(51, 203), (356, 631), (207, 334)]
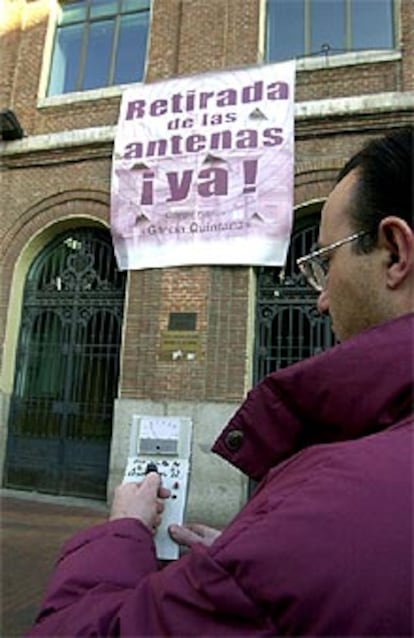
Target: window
[(99, 43), (296, 28)]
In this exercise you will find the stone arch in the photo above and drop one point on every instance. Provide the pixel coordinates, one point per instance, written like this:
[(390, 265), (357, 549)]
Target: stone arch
[(25, 239), (46, 212), (314, 179), (87, 313)]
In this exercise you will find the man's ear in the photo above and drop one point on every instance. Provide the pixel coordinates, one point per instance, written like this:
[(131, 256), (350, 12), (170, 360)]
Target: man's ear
[(396, 236)]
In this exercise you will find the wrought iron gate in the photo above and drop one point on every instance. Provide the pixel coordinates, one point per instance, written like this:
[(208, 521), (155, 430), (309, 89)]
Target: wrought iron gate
[(288, 325), (67, 368)]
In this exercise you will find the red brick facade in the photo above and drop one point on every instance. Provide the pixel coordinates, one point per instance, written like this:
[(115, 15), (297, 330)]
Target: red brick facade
[(42, 187)]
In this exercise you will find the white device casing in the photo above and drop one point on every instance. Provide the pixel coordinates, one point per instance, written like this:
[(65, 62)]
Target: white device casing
[(166, 443)]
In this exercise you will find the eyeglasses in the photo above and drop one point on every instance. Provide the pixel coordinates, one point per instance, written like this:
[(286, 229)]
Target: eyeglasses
[(314, 266)]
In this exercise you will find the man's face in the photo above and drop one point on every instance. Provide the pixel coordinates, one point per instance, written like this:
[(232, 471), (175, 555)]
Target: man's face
[(353, 295)]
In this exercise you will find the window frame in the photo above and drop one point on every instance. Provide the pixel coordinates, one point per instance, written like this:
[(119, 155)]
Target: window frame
[(51, 41), (312, 60)]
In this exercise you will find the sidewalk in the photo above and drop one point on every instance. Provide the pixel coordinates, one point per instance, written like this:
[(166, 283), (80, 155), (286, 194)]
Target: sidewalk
[(33, 528)]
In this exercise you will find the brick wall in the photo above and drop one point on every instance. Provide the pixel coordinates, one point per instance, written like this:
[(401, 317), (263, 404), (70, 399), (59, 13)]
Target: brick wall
[(407, 45), (187, 36), (366, 79), (10, 37), (219, 297)]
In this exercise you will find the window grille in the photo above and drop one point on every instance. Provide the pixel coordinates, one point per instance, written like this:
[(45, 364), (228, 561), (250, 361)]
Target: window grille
[(67, 368), (289, 327)]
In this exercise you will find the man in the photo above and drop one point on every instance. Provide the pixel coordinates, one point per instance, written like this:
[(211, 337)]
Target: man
[(324, 547)]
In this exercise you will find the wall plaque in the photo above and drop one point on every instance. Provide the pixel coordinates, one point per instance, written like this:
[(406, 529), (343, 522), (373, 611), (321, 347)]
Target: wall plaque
[(180, 345), (182, 321)]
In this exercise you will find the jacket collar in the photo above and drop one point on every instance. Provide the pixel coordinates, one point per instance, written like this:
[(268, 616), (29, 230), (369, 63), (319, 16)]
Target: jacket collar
[(356, 388)]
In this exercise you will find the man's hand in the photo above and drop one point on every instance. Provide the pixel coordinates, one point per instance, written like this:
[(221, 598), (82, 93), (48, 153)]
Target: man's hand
[(189, 535), (140, 500)]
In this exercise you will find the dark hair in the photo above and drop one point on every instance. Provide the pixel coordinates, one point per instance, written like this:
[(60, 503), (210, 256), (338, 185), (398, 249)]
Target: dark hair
[(385, 168)]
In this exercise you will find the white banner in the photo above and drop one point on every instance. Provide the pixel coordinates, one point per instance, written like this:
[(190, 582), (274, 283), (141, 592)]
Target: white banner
[(202, 170)]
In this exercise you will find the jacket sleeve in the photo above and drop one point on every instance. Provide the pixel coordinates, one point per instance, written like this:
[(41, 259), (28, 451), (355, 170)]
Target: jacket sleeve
[(107, 583), (95, 570)]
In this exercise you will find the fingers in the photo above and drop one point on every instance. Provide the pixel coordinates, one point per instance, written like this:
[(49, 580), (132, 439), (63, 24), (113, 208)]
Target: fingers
[(160, 507), (156, 523), (199, 529), (208, 534), (193, 533), (143, 501), (157, 519), (152, 481), (183, 535), (152, 486), (164, 492)]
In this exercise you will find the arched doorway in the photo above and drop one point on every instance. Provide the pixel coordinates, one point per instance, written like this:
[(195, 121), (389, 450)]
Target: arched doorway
[(288, 325), (67, 367)]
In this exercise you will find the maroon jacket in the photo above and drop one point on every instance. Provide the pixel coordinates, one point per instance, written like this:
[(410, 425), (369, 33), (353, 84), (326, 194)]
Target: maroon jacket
[(324, 547)]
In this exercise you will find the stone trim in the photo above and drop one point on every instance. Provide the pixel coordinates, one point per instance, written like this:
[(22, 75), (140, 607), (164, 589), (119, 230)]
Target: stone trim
[(304, 111)]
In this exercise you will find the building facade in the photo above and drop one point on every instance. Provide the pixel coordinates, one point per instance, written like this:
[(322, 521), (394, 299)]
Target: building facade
[(84, 347)]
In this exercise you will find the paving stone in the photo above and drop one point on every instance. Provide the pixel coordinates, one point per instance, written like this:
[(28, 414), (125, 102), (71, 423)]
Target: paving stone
[(33, 528)]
